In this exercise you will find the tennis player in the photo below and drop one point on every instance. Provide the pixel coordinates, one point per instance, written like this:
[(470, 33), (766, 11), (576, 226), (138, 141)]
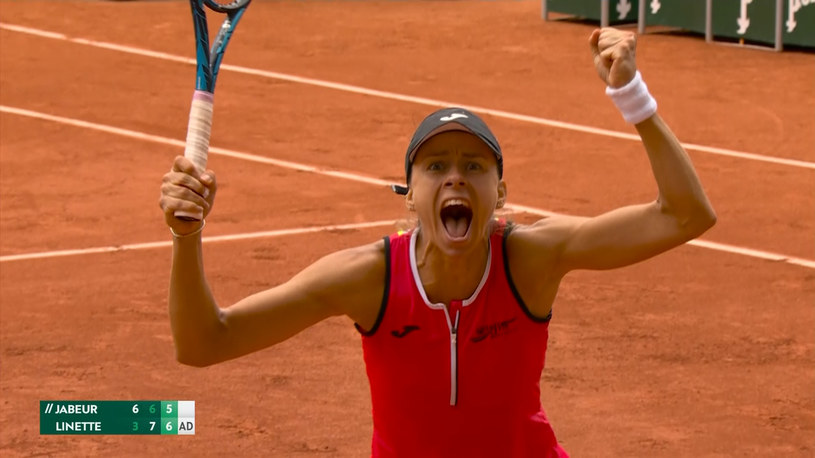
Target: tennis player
[(453, 314)]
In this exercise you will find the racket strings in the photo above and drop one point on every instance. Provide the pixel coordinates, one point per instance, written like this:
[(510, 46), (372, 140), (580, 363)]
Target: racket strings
[(226, 5)]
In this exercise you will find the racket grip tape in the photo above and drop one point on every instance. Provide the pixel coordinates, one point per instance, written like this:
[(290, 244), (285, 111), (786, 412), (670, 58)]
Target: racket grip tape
[(197, 145)]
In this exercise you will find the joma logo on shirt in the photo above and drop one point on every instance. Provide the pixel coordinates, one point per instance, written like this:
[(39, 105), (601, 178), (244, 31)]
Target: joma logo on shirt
[(492, 330), (404, 331)]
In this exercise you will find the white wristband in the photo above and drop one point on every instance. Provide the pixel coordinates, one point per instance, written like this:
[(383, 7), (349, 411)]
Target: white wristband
[(633, 100)]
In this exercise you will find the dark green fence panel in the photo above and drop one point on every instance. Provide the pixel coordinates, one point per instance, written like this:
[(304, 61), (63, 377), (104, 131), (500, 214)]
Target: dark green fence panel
[(684, 14), (799, 23), (752, 20), (619, 11), (584, 9)]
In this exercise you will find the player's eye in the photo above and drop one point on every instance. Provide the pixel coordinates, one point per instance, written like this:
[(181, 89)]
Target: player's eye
[(474, 166), (435, 166)]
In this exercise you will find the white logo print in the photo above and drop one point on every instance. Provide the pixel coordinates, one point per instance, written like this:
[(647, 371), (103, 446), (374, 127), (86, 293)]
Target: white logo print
[(453, 116), (743, 21), (623, 8)]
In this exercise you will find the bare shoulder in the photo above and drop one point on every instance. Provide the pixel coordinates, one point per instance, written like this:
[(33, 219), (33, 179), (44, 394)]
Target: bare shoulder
[(352, 280), (358, 260), (545, 236), (533, 253)]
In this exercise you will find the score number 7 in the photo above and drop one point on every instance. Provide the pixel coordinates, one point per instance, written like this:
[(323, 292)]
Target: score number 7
[(136, 425)]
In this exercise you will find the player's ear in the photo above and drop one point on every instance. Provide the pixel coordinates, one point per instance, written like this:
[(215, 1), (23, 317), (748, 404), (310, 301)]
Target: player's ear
[(409, 200), (502, 195)]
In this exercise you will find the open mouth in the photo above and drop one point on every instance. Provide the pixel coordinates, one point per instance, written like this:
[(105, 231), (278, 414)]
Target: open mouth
[(456, 216)]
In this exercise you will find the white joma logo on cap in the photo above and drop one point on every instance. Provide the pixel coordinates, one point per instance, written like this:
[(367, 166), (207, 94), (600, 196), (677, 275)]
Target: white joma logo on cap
[(453, 116)]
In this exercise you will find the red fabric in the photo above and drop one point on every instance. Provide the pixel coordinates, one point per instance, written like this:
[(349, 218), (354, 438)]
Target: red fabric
[(500, 355)]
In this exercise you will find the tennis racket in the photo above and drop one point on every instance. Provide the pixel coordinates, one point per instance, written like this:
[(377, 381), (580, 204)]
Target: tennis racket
[(208, 63)]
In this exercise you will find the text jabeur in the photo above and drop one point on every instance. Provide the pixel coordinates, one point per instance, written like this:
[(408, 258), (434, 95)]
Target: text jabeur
[(78, 409)]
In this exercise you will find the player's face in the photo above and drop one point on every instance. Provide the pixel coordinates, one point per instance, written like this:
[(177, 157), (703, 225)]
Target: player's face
[(455, 189)]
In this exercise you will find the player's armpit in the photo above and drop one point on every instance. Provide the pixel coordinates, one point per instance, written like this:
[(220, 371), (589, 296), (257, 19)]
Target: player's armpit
[(532, 253)]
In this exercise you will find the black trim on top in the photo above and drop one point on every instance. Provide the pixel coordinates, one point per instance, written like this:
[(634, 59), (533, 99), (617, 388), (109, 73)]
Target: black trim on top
[(507, 229), (385, 295)]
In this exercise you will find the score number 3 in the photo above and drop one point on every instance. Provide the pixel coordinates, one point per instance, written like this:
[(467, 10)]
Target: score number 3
[(136, 425)]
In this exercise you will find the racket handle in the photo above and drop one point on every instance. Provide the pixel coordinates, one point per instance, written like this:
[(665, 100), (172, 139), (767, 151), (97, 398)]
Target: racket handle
[(197, 146)]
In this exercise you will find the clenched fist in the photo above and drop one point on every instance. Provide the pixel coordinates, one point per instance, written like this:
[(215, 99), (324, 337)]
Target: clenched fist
[(184, 189), (614, 55)]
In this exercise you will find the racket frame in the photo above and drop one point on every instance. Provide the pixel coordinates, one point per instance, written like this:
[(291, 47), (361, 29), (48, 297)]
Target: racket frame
[(208, 62)]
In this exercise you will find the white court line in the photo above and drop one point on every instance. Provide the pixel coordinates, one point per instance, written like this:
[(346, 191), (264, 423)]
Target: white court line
[(401, 97), (216, 238), (358, 178), (179, 143)]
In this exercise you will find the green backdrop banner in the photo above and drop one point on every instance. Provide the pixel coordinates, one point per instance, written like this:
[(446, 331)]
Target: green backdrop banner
[(799, 23), (619, 11), (751, 20), (684, 14)]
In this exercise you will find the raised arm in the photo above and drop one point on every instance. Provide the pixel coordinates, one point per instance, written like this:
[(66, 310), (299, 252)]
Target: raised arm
[(349, 282), (634, 233), (553, 246)]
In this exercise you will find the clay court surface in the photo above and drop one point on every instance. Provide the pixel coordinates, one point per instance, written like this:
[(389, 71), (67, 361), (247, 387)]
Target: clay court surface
[(704, 351)]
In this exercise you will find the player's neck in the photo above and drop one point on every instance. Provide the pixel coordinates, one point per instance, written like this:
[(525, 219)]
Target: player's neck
[(447, 277)]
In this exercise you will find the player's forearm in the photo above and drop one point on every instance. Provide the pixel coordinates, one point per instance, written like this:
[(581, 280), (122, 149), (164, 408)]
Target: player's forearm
[(194, 316), (680, 191)]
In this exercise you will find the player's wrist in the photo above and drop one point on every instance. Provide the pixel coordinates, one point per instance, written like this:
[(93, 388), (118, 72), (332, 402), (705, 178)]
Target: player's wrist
[(176, 235), (633, 100)]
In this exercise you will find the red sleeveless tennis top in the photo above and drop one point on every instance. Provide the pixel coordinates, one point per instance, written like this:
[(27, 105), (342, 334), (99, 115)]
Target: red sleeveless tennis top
[(457, 383)]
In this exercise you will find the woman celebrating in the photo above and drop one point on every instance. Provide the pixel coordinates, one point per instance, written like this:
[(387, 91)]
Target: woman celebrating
[(453, 314)]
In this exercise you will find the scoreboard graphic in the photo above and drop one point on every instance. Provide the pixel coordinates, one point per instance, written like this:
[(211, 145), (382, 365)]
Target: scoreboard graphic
[(117, 417)]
